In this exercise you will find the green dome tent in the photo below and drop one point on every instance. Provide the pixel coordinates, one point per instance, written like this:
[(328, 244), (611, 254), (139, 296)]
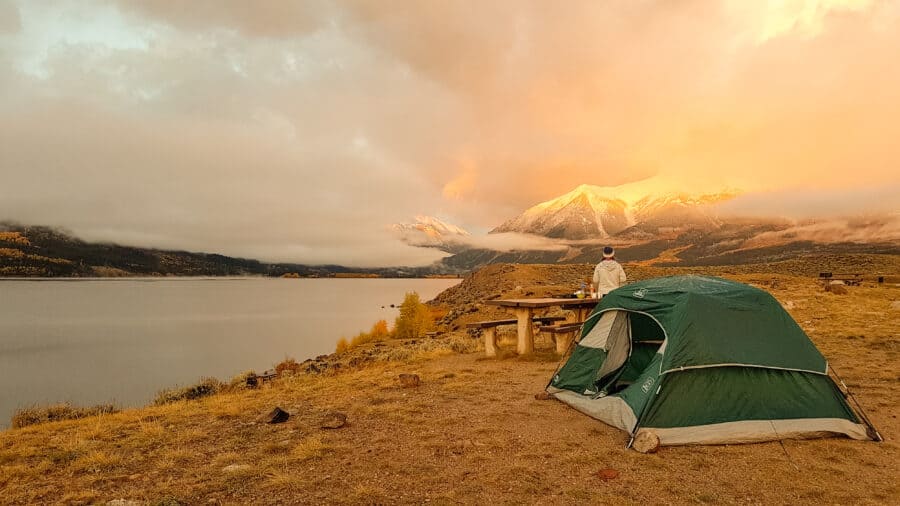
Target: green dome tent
[(702, 360)]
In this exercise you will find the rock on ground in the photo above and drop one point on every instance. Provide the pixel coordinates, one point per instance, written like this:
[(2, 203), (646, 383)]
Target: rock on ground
[(646, 442), (409, 380), (334, 420), (607, 474), (277, 415)]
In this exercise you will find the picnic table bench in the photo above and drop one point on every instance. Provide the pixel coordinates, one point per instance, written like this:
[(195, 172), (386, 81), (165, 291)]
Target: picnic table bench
[(489, 329), (524, 311), (562, 334), (853, 279)]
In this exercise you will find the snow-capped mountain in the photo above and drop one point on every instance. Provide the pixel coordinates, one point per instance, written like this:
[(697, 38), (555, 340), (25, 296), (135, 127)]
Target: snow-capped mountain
[(597, 212), (583, 213), (430, 232), (647, 223)]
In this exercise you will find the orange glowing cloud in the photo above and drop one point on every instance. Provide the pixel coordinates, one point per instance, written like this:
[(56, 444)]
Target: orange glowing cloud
[(305, 127), (464, 183)]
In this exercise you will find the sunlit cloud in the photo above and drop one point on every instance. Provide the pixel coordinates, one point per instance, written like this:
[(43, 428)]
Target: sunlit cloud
[(803, 17), (301, 130), (463, 183)]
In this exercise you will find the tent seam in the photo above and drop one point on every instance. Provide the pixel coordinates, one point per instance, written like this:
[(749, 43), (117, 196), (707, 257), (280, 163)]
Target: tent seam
[(735, 364)]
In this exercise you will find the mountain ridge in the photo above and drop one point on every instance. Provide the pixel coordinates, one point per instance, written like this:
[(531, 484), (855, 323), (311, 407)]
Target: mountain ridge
[(598, 212)]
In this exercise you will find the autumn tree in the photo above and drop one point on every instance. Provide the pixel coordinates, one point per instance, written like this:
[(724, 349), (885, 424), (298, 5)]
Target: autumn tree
[(415, 318)]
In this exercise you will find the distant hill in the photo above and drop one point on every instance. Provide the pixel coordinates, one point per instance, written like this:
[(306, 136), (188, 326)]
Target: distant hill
[(35, 251)]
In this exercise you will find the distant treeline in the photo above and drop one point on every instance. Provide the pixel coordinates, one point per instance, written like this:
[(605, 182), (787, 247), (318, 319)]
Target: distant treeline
[(38, 251)]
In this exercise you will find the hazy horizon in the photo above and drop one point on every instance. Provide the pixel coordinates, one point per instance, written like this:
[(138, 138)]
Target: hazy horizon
[(300, 132)]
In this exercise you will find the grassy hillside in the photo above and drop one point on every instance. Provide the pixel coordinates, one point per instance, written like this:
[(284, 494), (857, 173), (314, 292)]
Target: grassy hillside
[(473, 432)]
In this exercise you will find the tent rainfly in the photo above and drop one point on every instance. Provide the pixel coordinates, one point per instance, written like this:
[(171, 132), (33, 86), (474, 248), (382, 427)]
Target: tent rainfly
[(703, 360)]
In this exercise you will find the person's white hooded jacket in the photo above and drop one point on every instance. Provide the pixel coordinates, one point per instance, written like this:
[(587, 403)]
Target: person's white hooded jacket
[(608, 275)]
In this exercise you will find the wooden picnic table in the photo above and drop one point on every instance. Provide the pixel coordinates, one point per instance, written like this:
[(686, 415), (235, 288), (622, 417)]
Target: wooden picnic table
[(524, 311)]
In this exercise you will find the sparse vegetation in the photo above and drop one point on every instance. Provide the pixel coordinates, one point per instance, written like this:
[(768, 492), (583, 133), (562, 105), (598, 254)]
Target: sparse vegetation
[(14, 238), (240, 381), (287, 367), (379, 332), (57, 412), (204, 388), (414, 321)]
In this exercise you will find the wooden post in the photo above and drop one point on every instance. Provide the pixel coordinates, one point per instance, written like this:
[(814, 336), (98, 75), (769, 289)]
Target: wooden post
[(525, 332), (562, 342), (582, 313), (490, 341)]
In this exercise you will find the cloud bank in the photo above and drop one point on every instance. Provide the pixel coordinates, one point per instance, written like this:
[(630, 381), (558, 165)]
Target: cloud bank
[(296, 131)]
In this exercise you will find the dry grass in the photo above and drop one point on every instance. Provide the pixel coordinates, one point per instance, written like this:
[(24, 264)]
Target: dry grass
[(471, 433), (57, 412), (204, 388)]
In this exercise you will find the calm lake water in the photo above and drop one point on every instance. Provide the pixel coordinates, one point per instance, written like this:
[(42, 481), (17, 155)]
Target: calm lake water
[(121, 341)]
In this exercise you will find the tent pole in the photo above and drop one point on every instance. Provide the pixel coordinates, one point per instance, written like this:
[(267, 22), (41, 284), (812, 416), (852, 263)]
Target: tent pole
[(564, 355), (862, 413)]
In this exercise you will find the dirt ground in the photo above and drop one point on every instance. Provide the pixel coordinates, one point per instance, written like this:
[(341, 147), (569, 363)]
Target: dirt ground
[(471, 433)]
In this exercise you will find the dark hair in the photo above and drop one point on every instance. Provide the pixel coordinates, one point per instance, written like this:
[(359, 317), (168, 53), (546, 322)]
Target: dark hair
[(608, 250)]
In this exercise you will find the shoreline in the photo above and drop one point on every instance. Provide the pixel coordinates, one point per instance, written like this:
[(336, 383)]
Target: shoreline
[(157, 335), (204, 278)]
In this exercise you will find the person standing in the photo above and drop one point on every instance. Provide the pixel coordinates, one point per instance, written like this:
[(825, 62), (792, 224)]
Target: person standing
[(609, 274)]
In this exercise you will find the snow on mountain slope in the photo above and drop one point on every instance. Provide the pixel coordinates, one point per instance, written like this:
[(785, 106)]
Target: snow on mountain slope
[(431, 232), (596, 212)]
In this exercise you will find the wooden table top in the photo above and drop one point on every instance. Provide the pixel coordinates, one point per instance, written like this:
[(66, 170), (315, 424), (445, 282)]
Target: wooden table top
[(543, 302)]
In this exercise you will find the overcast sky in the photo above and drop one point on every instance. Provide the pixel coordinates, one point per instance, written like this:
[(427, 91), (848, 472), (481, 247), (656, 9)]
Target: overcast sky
[(299, 131)]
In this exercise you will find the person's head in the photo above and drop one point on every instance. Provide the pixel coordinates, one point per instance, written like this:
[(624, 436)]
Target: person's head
[(609, 253)]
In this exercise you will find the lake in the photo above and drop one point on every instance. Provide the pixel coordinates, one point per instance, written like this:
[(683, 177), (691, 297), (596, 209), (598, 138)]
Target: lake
[(122, 340)]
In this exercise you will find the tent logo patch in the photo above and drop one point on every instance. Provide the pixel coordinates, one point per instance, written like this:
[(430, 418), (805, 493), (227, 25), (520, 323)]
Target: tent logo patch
[(648, 384), (640, 293)]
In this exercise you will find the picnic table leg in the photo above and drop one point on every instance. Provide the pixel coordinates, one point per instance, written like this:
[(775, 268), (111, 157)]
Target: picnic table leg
[(562, 342), (525, 331), (490, 341)]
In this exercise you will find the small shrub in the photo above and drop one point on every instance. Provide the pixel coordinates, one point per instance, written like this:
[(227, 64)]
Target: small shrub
[(62, 457), (310, 448), (399, 354), (240, 381), (54, 413), (205, 388), (287, 367), (379, 332), (463, 344)]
